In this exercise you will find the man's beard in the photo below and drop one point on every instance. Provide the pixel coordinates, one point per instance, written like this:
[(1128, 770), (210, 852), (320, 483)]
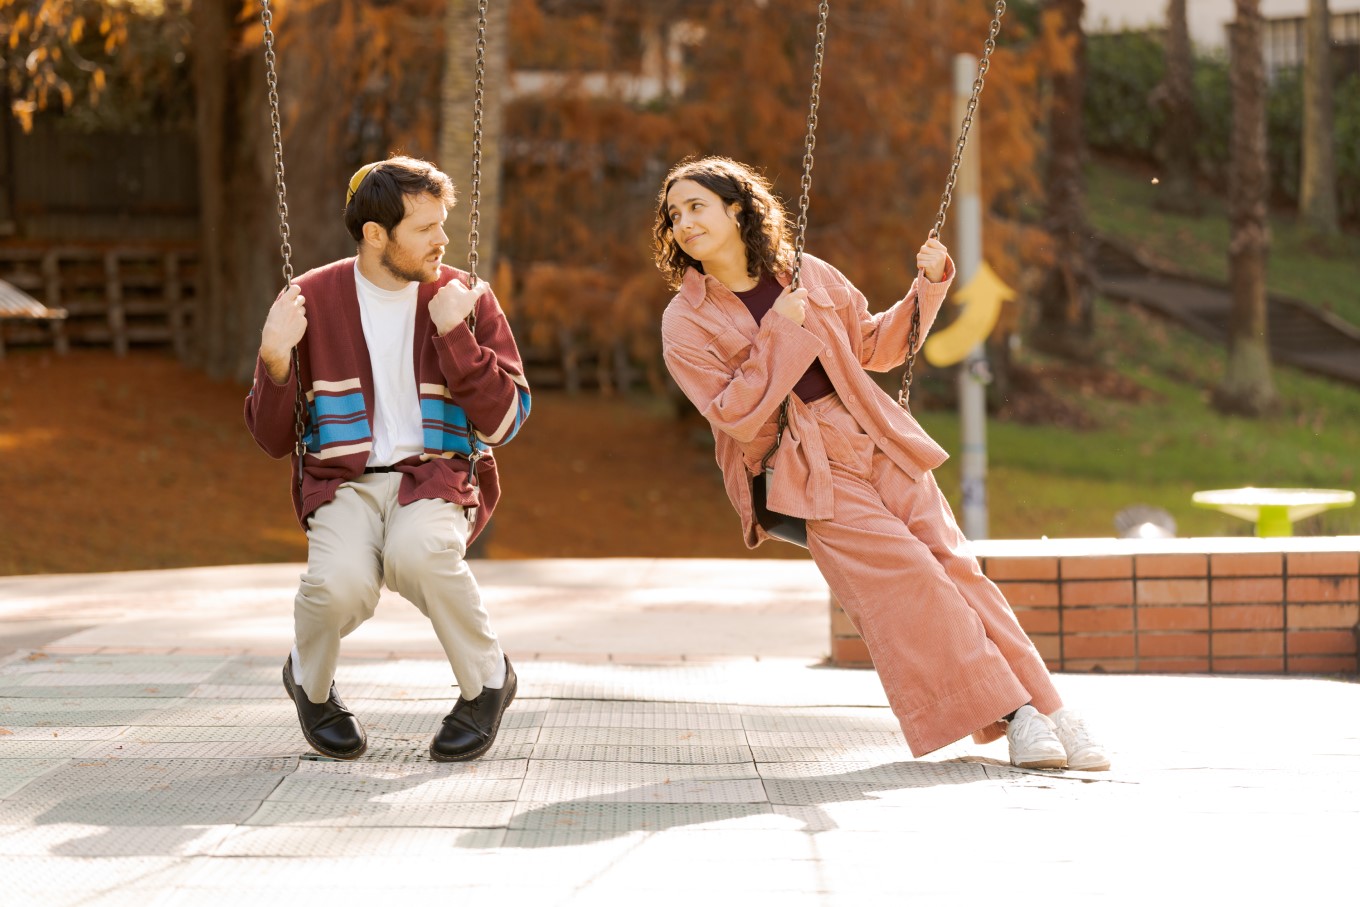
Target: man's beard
[(407, 270)]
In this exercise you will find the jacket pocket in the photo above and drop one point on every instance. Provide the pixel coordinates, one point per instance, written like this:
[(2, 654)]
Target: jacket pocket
[(730, 347)]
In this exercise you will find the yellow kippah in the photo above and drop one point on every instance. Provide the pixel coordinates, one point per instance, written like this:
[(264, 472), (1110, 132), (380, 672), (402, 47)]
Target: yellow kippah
[(357, 180)]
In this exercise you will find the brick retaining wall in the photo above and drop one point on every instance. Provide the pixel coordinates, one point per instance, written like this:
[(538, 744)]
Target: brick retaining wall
[(1212, 605)]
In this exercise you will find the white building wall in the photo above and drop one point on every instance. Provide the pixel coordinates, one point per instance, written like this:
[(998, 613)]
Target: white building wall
[(1207, 18)]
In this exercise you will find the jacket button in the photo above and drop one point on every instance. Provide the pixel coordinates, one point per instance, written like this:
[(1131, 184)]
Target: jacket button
[(883, 439), (852, 399)]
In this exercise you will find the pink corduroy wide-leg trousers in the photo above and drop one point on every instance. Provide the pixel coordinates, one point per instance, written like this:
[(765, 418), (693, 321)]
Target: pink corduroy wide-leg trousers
[(951, 655)]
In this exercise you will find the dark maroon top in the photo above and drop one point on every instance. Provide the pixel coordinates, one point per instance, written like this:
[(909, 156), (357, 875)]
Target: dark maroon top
[(815, 382)]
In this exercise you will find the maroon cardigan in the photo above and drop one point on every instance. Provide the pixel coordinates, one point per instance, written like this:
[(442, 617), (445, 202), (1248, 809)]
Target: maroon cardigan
[(461, 379)]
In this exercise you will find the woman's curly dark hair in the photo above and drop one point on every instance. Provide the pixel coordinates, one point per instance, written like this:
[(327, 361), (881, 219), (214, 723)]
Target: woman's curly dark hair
[(763, 222)]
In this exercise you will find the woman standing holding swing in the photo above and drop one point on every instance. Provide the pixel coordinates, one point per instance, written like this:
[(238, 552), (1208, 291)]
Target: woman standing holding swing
[(771, 346)]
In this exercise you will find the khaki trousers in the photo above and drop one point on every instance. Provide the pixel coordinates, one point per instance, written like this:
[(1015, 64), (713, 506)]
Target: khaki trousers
[(952, 656), (363, 538)]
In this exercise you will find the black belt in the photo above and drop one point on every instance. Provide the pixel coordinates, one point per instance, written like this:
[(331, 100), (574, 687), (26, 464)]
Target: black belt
[(368, 470)]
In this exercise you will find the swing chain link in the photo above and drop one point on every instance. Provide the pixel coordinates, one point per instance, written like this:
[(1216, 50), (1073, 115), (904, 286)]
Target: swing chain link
[(285, 247), (474, 219), (275, 120), (478, 108), (819, 56), (904, 395), (800, 234), (983, 65)]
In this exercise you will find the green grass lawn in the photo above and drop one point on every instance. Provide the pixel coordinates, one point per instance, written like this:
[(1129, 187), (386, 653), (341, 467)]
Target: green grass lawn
[(1060, 482), (1326, 274)]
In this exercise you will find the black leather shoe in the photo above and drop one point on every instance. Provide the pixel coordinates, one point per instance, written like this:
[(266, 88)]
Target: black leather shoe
[(329, 727), (470, 729)]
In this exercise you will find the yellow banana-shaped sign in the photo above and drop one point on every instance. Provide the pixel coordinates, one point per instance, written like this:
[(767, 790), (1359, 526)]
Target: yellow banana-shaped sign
[(981, 300)]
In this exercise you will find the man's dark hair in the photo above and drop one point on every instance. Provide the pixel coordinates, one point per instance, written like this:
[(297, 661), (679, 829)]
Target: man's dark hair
[(381, 196)]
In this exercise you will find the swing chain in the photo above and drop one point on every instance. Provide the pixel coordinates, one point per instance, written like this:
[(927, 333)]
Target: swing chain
[(819, 55), (800, 235), (275, 120), (474, 217), (285, 247), (904, 395), (478, 107), (983, 65)]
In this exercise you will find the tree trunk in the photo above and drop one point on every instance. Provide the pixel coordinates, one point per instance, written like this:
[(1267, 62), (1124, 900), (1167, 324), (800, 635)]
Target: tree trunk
[(1176, 97), (251, 273), (212, 29), (353, 84), (456, 139), (1317, 189), (1248, 387), (236, 180), (1065, 299)]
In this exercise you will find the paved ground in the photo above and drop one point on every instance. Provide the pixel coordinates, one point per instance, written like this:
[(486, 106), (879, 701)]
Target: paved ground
[(676, 740)]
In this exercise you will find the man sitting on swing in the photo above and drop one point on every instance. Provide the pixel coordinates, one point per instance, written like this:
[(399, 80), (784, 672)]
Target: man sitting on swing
[(399, 359)]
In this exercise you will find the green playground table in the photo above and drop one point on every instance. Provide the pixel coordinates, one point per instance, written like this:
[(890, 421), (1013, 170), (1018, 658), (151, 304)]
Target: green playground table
[(1274, 510)]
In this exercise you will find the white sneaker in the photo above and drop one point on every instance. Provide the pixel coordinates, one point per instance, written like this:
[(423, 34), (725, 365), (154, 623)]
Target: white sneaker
[(1083, 753), (1033, 741)]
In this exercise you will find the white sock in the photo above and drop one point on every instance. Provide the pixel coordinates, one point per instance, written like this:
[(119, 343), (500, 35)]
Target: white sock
[(497, 678), (297, 665)]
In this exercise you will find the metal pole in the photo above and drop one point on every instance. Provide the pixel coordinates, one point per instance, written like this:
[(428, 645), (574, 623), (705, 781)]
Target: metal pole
[(974, 373)]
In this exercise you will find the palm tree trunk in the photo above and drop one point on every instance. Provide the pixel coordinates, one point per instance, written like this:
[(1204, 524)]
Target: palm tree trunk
[(1317, 190), (1176, 97), (1067, 294), (1248, 387)]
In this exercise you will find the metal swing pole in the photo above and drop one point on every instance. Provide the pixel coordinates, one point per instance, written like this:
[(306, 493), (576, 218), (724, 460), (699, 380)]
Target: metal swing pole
[(974, 373)]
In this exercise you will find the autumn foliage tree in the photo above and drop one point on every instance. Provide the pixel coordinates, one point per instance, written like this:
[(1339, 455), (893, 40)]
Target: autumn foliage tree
[(356, 82), (592, 143), (602, 97), (52, 50), (106, 65)]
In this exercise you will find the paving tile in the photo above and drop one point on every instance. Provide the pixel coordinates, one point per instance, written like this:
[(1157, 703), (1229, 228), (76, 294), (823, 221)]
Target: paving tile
[(101, 841), (769, 783), (830, 752), (116, 691), (428, 788), (628, 736), (625, 817), (605, 716), (74, 702), (207, 734), (646, 871), (496, 769), (353, 842), (821, 721), (379, 815), (56, 876), (614, 773), (695, 791), (46, 748), (574, 752), (69, 732)]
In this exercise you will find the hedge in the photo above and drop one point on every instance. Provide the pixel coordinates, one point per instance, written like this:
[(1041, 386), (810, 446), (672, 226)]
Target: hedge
[(1124, 69)]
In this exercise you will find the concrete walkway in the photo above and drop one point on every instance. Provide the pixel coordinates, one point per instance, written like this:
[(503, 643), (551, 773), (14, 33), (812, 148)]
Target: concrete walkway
[(676, 740)]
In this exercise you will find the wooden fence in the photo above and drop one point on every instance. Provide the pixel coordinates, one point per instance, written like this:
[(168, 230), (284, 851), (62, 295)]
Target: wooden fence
[(114, 296)]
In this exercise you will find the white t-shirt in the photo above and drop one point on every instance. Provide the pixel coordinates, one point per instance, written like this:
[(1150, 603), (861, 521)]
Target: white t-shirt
[(389, 322)]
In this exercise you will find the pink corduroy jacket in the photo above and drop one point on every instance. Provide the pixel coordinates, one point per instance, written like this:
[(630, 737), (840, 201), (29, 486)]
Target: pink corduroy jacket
[(737, 372)]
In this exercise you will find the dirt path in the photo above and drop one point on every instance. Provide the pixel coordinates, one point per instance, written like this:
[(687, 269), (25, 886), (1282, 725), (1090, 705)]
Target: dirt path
[(139, 463)]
